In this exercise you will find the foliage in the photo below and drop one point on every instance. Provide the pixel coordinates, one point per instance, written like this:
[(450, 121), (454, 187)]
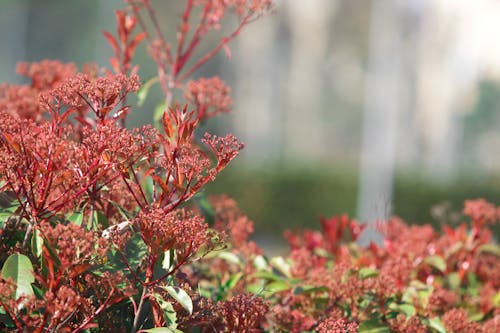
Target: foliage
[(99, 232)]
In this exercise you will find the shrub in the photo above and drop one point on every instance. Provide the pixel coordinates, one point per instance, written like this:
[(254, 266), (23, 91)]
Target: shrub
[(105, 228)]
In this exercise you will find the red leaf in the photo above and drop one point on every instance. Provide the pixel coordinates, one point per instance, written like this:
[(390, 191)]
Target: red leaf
[(115, 64), (227, 51), (112, 41), (133, 44), (160, 182)]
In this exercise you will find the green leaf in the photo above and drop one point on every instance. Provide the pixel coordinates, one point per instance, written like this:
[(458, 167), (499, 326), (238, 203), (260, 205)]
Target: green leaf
[(99, 219), (181, 296), (277, 286), (36, 243), (490, 248), (168, 259), (148, 185), (168, 310), (367, 272), (478, 316), (162, 330), (408, 309), (233, 280), (143, 91), (453, 280), (267, 276), (39, 293), (159, 110), (260, 263), (373, 326), (473, 288), (135, 251), (7, 211), (230, 257), (19, 268), (496, 300), (255, 288), (309, 289), (205, 207), (281, 265), (5, 320), (437, 262), (125, 214), (76, 218), (4, 216), (437, 324)]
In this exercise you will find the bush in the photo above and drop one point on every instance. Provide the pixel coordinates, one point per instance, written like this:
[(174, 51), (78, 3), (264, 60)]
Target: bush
[(105, 228)]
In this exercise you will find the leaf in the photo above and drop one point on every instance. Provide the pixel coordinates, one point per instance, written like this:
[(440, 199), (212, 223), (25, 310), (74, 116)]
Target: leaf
[(453, 280), (437, 324), (309, 289), (181, 296), (99, 220), (19, 268), (496, 300), (478, 316), (230, 258), (267, 276), (123, 212), (260, 263), (7, 212), (367, 272), (148, 188), (158, 114), (36, 243), (233, 280), (277, 286), (162, 330), (281, 265), (408, 309), (133, 44), (168, 310), (205, 207), (5, 320), (134, 250), (76, 218), (112, 41), (255, 288), (373, 326), (490, 248), (168, 260), (437, 262), (39, 293), (143, 91)]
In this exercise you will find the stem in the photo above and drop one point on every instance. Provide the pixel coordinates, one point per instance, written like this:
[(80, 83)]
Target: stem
[(216, 49), (96, 313), (152, 15), (182, 57), (173, 270), (132, 192), (140, 310), (12, 316), (139, 185)]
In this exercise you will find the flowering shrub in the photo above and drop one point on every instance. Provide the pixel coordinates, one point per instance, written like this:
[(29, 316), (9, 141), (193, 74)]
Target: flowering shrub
[(105, 228)]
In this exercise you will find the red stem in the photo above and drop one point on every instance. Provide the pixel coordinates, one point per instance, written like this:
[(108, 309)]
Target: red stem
[(174, 269), (101, 308), (216, 49), (185, 23), (12, 316), (182, 58)]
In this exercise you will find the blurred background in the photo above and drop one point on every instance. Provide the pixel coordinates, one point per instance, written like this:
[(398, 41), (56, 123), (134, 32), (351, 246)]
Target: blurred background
[(369, 108)]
